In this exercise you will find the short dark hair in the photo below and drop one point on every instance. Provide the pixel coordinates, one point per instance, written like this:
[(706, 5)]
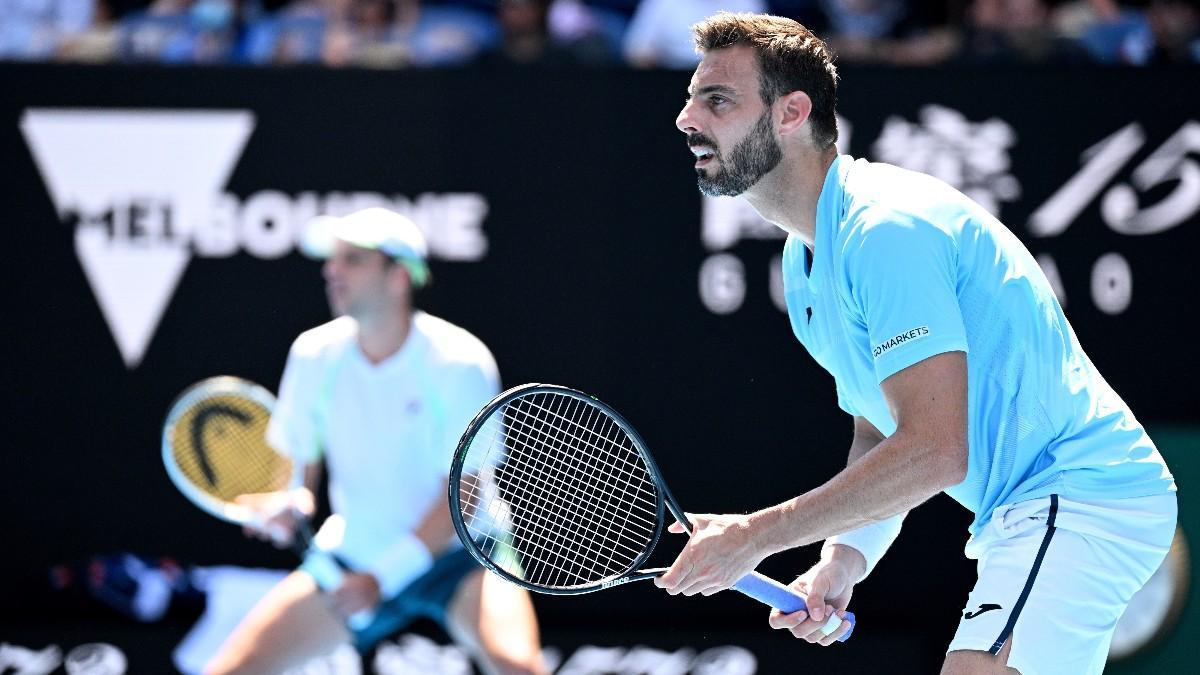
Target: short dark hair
[(790, 58)]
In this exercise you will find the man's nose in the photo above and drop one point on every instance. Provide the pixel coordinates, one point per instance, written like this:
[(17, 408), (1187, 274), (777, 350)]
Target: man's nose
[(684, 121)]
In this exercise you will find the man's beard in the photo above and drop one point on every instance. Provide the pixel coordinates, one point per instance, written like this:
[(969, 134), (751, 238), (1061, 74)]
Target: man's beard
[(752, 158)]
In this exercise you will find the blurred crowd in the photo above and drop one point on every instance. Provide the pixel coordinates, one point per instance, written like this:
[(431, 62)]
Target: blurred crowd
[(602, 33)]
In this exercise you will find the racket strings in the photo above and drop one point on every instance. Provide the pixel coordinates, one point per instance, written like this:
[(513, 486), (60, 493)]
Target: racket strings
[(557, 493), (585, 536), (627, 468), (218, 444), (535, 544), (542, 551), (539, 469), (608, 481)]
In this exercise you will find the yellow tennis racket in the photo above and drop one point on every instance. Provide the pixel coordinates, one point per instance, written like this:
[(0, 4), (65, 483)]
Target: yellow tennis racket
[(215, 447)]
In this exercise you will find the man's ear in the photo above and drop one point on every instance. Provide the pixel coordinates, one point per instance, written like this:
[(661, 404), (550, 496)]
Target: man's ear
[(793, 109), (398, 278)]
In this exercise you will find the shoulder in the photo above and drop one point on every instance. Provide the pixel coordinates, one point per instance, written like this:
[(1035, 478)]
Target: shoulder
[(452, 345), (893, 209), (879, 193), (898, 187), (898, 220), (327, 338)]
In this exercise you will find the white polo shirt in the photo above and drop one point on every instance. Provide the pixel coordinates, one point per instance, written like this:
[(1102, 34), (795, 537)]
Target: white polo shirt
[(387, 431)]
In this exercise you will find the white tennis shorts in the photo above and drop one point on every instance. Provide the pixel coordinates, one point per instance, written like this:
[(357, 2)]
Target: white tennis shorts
[(1056, 574)]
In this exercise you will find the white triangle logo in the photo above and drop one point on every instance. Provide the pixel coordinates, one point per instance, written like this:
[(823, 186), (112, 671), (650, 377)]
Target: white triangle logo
[(136, 184)]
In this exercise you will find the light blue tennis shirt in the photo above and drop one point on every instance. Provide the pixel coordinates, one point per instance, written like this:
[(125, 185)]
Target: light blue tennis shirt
[(906, 267)]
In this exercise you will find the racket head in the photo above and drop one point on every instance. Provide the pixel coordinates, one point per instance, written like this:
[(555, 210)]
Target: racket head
[(553, 490), (214, 446)]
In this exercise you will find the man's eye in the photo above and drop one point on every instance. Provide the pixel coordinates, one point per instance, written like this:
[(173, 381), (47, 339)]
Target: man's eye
[(717, 100)]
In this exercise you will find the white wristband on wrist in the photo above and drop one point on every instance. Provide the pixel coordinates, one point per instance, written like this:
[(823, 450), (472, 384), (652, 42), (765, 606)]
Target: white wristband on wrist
[(405, 560), (871, 540)]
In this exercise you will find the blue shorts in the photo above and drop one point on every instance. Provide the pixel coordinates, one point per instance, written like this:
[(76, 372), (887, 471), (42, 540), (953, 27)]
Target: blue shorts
[(427, 597)]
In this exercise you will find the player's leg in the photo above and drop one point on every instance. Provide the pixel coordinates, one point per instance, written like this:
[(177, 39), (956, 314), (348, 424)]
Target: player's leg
[(290, 625), (496, 621), (975, 662)]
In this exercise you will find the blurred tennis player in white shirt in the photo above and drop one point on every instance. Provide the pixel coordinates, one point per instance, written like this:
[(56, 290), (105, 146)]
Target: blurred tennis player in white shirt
[(379, 397)]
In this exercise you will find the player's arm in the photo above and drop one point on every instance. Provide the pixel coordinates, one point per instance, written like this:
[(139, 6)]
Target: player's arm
[(292, 430), (926, 454), (852, 557), (901, 284), (845, 560), (863, 547), (409, 556)]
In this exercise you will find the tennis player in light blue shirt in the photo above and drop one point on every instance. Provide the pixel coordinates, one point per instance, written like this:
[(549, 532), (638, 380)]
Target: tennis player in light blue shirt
[(952, 355), (905, 268)]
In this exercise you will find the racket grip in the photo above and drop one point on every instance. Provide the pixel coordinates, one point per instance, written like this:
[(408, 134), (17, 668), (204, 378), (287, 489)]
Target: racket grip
[(770, 592)]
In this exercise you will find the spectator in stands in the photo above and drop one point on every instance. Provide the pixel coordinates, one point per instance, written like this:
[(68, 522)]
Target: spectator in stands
[(1176, 27), (371, 33), (660, 33), (891, 31), (1014, 31), (42, 29), (1149, 31), (526, 38), (449, 34), (592, 31), (180, 31), (296, 33)]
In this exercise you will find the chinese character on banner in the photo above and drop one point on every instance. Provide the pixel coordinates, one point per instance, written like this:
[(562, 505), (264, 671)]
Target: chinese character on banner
[(971, 156)]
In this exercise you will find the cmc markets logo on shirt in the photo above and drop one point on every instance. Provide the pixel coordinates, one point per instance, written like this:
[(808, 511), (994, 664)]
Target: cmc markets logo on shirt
[(143, 191), (907, 336)]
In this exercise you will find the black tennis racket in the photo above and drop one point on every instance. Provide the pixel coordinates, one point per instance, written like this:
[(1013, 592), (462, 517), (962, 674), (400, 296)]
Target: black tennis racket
[(554, 491), (215, 450)]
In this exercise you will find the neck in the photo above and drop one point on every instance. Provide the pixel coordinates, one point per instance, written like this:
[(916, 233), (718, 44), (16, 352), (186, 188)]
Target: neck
[(383, 333), (787, 196)]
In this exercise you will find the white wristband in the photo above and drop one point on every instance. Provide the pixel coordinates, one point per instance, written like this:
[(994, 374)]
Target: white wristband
[(405, 560), (871, 540)]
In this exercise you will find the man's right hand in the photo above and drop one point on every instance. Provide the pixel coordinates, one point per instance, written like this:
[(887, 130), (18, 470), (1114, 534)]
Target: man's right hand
[(828, 586), (278, 514)]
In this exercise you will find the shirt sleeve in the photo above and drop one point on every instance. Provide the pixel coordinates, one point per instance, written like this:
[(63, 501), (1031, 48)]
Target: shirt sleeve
[(293, 426), (902, 278), (471, 387)]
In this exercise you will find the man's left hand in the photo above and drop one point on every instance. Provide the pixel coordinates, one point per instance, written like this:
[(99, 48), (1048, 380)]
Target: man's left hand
[(358, 592), (720, 551)]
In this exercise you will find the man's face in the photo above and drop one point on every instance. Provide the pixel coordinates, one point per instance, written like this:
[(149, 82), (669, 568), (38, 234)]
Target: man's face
[(357, 280), (728, 127)]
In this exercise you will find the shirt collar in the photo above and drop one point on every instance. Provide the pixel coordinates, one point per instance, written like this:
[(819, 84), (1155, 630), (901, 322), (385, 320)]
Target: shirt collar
[(831, 207)]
